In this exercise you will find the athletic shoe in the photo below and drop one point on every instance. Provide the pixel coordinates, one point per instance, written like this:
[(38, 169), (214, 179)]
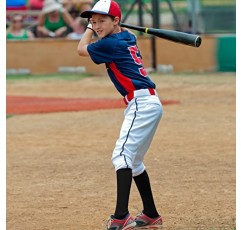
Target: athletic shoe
[(143, 220), (125, 224)]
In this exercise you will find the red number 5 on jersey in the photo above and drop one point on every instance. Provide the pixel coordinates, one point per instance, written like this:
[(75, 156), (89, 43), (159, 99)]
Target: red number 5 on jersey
[(133, 51)]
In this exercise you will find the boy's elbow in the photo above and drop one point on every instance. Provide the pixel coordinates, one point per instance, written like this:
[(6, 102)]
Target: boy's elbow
[(79, 52), (82, 51)]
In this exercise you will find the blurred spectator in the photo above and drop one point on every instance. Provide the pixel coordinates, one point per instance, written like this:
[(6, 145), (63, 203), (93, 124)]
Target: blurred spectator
[(75, 7), (35, 4), (67, 4), (79, 28), (16, 30), (74, 12), (16, 4), (85, 5), (54, 20)]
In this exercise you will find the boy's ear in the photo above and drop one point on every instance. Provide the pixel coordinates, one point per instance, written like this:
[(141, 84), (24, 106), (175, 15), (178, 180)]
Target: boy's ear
[(117, 20)]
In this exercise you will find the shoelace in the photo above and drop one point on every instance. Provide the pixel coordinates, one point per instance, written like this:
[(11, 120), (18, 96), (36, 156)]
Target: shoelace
[(138, 211), (107, 222), (139, 214)]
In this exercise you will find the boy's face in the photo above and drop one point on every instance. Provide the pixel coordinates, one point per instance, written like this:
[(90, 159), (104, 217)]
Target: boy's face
[(104, 25)]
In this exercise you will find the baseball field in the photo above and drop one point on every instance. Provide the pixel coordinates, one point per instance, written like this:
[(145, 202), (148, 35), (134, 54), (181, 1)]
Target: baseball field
[(61, 131)]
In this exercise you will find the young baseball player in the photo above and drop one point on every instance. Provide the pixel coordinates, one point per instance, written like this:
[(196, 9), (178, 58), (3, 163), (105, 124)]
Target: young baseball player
[(117, 48)]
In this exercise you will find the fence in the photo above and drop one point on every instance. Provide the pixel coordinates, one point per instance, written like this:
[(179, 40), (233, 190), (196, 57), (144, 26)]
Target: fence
[(177, 14), (46, 56)]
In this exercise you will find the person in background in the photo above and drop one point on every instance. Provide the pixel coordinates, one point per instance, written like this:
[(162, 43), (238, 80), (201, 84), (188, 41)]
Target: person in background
[(75, 7), (54, 20), (69, 5), (14, 5), (79, 28), (84, 5), (16, 30)]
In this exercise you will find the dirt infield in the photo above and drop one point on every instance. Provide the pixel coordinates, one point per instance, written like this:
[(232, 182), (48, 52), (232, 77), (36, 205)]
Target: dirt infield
[(59, 170), (29, 105)]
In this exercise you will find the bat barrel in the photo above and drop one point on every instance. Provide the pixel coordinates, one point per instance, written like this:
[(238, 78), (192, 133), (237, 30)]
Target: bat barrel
[(177, 36), (198, 41)]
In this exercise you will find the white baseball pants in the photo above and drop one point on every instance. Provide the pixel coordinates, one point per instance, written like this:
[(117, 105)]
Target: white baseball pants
[(142, 116)]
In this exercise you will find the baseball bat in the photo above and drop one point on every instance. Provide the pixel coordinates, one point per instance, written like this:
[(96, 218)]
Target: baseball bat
[(171, 35)]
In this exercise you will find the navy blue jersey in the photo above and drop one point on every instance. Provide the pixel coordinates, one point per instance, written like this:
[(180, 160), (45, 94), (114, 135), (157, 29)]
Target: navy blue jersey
[(123, 61)]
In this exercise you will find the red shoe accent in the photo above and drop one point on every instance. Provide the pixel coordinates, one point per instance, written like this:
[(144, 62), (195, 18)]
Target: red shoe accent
[(125, 224), (144, 220)]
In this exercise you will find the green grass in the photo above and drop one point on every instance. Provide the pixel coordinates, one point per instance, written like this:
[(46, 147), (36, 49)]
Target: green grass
[(67, 77), (9, 116)]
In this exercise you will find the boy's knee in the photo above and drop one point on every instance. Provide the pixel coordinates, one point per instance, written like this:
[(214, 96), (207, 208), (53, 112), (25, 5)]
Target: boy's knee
[(121, 162), (138, 169)]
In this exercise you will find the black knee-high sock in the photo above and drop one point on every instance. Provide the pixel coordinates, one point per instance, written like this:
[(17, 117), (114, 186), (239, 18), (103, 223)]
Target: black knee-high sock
[(143, 184), (124, 179)]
